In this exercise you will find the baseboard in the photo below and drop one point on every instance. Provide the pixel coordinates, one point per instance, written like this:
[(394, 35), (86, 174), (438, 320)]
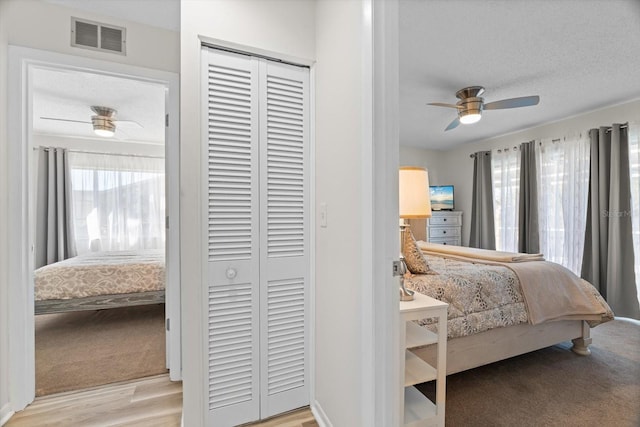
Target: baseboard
[(5, 414), (319, 415)]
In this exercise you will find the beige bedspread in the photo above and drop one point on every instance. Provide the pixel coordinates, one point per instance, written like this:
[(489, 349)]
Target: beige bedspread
[(101, 273), (474, 253), (550, 291)]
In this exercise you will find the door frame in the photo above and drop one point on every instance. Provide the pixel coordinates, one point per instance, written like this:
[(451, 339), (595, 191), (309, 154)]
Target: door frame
[(21, 323)]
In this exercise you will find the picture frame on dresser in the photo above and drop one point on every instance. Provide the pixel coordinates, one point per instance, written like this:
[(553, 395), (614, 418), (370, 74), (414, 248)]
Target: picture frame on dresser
[(441, 197)]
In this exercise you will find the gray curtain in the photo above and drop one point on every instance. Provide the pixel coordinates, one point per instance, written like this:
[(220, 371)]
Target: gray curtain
[(528, 225), (608, 249), (483, 230), (54, 226)]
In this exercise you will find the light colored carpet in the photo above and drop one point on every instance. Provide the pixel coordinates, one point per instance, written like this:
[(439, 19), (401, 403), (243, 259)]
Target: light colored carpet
[(89, 348), (554, 386)]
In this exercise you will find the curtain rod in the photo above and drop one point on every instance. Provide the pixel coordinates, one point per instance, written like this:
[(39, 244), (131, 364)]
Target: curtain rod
[(102, 153), (624, 126), (515, 148), (486, 153)]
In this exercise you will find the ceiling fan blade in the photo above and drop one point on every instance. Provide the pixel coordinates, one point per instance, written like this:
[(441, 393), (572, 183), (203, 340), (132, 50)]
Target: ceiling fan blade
[(64, 120), (525, 101), (442, 104), (454, 124), (121, 135), (128, 123)]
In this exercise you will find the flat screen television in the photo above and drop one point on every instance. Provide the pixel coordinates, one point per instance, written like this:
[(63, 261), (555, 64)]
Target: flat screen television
[(441, 197)]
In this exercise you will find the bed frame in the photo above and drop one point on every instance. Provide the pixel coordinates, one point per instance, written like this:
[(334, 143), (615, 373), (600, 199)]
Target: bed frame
[(99, 302), (498, 344)]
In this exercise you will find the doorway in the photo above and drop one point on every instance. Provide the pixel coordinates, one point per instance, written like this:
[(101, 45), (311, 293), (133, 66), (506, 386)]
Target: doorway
[(40, 79)]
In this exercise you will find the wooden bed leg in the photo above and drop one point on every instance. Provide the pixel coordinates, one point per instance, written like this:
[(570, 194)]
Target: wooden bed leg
[(581, 345)]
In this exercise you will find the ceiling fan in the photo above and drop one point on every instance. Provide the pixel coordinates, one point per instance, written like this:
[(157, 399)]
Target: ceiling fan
[(471, 105), (104, 121)]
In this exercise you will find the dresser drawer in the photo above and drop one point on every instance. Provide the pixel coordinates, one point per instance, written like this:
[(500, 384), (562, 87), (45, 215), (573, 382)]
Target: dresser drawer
[(445, 219), (437, 232), (456, 241)]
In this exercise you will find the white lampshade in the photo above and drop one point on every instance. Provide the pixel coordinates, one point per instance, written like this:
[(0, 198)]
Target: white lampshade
[(414, 193)]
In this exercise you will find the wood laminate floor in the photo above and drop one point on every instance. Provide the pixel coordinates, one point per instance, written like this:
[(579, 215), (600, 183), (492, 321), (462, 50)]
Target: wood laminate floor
[(148, 402)]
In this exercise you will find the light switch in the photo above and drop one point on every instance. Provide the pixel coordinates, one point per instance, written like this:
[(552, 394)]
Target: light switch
[(323, 215)]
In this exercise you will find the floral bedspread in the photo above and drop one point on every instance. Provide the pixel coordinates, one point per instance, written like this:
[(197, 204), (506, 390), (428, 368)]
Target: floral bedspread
[(101, 273), (480, 296)]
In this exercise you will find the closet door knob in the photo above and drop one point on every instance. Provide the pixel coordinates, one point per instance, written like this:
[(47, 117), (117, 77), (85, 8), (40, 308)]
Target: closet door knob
[(231, 273)]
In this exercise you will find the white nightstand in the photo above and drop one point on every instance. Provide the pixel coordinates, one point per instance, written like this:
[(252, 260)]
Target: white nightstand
[(415, 408)]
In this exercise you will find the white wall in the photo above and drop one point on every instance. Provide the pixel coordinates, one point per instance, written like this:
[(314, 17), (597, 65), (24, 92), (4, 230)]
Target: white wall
[(429, 159), (44, 26), (47, 26), (456, 167), (340, 138), (4, 330), (282, 26)]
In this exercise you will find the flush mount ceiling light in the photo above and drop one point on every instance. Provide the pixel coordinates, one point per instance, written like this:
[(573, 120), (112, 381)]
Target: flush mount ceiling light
[(470, 116), (103, 124), (471, 105)]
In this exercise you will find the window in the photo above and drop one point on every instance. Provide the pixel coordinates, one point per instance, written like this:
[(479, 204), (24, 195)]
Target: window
[(563, 190), (118, 202), (505, 169)]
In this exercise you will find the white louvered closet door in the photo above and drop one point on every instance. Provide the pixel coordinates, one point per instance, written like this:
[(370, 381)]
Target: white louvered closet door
[(256, 192), (284, 231)]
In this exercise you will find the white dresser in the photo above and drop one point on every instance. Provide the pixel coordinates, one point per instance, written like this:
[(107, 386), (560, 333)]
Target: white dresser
[(445, 227)]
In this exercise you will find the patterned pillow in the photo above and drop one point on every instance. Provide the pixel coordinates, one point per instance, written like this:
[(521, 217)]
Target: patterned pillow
[(413, 257)]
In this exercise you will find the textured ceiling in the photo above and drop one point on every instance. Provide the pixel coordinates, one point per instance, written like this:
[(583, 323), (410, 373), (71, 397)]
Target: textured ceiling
[(577, 55), (69, 95)]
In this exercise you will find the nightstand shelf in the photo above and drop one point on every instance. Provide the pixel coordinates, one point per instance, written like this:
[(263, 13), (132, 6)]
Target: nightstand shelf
[(416, 409), (417, 336), (416, 370)]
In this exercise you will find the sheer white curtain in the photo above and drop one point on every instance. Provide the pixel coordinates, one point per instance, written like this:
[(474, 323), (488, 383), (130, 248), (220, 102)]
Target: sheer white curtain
[(118, 202), (505, 165), (634, 172), (563, 189)]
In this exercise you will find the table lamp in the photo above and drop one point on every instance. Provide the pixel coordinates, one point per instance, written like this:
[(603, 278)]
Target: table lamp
[(414, 204)]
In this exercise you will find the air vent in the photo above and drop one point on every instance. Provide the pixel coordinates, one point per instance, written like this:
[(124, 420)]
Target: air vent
[(97, 36)]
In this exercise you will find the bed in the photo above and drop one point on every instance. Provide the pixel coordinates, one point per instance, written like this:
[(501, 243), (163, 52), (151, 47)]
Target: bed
[(502, 305), (100, 280)]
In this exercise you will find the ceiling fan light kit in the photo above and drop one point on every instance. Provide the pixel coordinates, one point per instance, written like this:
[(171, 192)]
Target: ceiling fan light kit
[(471, 105), (103, 124), (470, 116)]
